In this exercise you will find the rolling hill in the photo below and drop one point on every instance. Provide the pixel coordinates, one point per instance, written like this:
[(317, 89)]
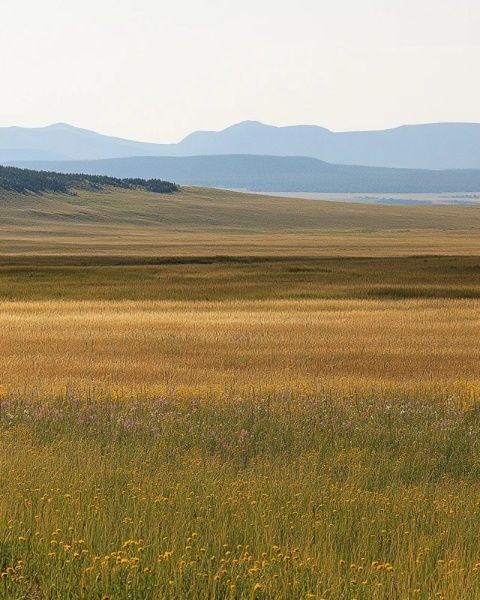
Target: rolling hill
[(429, 146), (119, 225), (272, 174)]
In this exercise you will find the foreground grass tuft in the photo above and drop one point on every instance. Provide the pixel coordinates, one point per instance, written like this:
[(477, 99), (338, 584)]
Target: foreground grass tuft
[(300, 497)]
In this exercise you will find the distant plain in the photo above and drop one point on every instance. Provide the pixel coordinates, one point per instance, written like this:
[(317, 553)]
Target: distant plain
[(386, 199)]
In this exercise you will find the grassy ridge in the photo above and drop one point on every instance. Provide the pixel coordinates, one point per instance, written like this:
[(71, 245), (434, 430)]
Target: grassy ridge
[(197, 222), (223, 211)]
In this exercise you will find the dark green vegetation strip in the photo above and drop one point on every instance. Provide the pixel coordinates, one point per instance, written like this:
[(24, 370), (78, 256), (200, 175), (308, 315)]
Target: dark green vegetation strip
[(28, 181), (225, 278)]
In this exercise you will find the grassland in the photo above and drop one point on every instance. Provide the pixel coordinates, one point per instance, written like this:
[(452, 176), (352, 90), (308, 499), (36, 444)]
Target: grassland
[(198, 222), (247, 278), (239, 346), (255, 425)]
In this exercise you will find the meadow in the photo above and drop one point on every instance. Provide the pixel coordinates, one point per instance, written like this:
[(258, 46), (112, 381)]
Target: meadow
[(210, 223), (251, 425)]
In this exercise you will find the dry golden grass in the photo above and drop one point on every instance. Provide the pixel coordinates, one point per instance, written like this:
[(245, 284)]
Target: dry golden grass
[(240, 449), (238, 345)]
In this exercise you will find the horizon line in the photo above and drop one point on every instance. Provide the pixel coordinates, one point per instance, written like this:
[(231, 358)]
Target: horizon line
[(236, 124)]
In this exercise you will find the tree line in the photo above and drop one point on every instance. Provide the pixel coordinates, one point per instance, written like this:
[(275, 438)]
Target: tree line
[(25, 181)]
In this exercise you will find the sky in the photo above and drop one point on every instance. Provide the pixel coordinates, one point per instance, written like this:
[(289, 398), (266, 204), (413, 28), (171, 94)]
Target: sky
[(156, 70)]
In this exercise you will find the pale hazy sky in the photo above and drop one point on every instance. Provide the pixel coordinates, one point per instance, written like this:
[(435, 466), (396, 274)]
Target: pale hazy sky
[(156, 70)]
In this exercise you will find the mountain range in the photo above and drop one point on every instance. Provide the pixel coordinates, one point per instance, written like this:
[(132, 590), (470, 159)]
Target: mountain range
[(272, 174), (429, 146)]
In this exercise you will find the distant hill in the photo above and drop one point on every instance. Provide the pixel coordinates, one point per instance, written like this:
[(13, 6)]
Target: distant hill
[(198, 222), (433, 146), (64, 142), (430, 146), (273, 174), (29, 181)]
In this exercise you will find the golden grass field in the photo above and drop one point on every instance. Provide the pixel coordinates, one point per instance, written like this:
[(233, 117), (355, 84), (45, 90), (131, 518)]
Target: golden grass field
[(293, 419), (242, 347)]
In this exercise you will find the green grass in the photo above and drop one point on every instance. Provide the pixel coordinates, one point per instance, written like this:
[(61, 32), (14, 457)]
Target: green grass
[(293, 497), (242, 278)]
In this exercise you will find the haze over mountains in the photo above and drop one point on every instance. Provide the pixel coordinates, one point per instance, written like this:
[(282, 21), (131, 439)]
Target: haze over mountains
[(430, 146), (434, 158), (272, 174)]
